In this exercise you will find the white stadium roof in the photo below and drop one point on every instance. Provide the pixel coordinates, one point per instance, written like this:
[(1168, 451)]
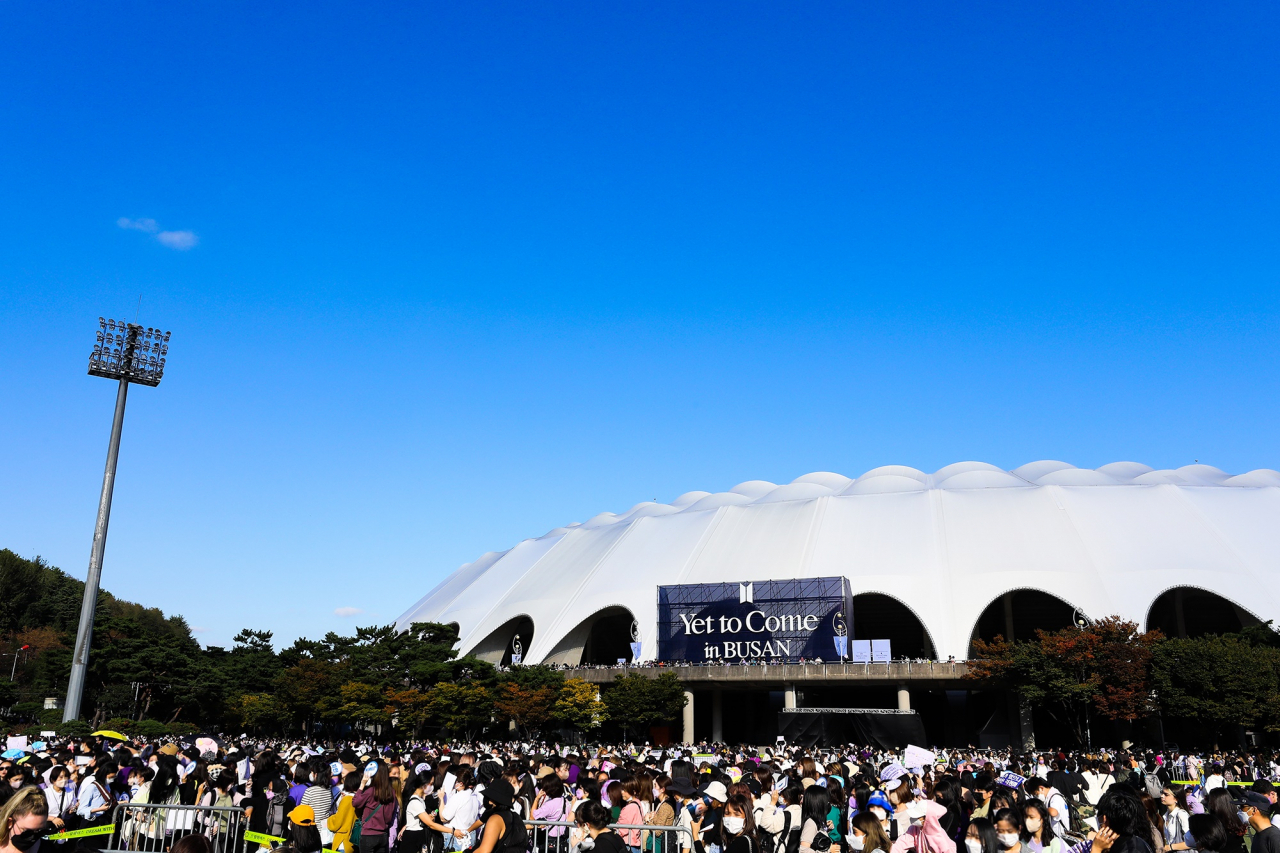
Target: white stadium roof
[(947, 544)]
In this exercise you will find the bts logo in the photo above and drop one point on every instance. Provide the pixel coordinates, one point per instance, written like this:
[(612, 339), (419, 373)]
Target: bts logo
[(746, 593)]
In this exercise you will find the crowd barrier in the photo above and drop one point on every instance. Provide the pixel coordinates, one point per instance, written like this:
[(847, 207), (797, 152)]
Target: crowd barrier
[(152, 827)]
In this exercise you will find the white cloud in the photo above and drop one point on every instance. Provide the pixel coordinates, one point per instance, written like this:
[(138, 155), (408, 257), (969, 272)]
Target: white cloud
[(178, 240), (347, 611), (149, 226), (196, 629)]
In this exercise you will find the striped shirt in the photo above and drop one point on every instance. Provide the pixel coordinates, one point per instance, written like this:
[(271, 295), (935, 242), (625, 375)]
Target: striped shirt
[(319, 800)]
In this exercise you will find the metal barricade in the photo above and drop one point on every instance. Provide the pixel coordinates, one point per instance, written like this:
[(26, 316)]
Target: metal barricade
[(153, 827), (653, 839)]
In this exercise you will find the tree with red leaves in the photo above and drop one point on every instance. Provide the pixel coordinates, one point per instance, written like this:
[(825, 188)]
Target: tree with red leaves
[(1105, 664)]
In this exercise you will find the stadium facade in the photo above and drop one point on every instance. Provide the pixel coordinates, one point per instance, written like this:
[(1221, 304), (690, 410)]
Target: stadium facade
[(926, 562)]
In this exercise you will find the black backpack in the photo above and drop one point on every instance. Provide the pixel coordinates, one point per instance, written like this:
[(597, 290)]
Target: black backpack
[(515, 838)]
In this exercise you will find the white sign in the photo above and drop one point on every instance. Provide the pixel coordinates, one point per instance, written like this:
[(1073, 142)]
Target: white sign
[(917, 757), (19, 742)]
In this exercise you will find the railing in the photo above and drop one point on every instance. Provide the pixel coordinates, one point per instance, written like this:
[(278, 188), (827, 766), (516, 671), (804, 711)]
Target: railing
[(653, 839), (153, 827)]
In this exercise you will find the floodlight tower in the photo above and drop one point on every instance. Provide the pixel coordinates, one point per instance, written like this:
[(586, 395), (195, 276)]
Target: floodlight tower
[(128, 353)]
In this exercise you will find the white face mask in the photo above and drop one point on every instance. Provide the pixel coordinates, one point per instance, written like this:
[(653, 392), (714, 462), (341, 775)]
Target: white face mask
[(1008, 839), (973, 845), (879, 812), (857, 841), (734, 825), (1033, 824)]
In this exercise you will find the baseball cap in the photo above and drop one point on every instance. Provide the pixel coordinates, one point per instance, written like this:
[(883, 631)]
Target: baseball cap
[(303, 816), (1254, 799)]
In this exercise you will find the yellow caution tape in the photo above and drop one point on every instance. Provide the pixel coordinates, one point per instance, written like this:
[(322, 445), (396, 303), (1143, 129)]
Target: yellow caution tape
[(81, 833)]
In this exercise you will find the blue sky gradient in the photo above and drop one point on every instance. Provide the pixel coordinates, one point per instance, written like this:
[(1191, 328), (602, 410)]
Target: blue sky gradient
[(467, 272)]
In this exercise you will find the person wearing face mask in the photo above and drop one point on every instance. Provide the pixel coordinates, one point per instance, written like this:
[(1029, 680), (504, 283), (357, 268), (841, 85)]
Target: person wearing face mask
[(814, 824), (866, 834), (924, 832), (738, 827), (1009, 830), (593, 820), (981, 837), (22, 821), (1037, 830), (95, 801), (61, 797)]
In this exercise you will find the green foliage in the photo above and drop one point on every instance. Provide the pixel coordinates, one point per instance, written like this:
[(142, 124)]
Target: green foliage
[(1222, 680), (183, 729), (27, 710), (73, 728), (118, 724), (151, 729), (579, 707), (638, 702), (8, 693)]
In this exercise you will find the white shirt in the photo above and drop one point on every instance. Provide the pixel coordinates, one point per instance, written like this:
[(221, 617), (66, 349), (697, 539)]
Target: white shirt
[(1213, 782), (462, 810)]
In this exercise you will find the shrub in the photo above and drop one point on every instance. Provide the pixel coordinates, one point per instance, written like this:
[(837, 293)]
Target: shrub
[(183, 729), (151, 729)]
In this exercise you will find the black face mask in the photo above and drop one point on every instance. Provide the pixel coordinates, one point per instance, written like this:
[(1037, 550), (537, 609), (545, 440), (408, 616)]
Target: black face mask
[(26, 839)]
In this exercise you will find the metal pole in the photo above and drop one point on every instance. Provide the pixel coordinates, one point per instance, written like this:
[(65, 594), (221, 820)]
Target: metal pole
[(13, 673), (84, 634)]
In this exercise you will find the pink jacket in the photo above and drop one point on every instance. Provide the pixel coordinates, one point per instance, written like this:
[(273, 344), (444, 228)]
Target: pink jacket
[(935, 840)]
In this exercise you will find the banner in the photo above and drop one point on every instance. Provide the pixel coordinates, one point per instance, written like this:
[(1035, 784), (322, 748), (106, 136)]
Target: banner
[(635, 651), (516, 659), (1011, 780), (758, 620), (842, 646), (862, 651), (918, 758), (81, 833)]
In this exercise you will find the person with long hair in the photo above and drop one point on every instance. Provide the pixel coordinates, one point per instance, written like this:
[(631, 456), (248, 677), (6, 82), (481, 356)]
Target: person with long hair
[(1123, 823), (1009, 828), (1220, 804), (343, 818), (814, 813), (319, 795), (866, 834), (946, 793), (738, 827), (413, 804), (1152, 808), (981, 836), (304, 835), (1176, 817), (22, 820), (460, 811), (377, 807), (1037, 828), (593, 820)]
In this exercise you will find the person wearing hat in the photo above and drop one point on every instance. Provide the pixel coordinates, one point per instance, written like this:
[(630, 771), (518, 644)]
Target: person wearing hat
[(679, 793), (503, 830), (1256, 808), (303, 831)]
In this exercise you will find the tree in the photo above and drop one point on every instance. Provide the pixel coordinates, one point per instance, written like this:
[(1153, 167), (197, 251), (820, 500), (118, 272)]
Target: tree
[(409, 708), (1105, 665), (462, 709), (1221, 680), (528, 707), (257, 710), (579, 707), (638, 702)]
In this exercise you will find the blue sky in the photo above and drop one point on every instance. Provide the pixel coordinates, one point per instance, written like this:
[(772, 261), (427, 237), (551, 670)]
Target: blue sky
[(442, 277)]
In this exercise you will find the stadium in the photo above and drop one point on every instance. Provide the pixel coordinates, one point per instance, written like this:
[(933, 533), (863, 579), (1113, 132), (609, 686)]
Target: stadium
[(757, 578)]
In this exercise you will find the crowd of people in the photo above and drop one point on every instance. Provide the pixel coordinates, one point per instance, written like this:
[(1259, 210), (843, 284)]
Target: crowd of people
[(211, 794)]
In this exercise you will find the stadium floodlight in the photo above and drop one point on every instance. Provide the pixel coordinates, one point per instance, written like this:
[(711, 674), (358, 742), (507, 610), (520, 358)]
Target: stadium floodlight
[(128, 353)]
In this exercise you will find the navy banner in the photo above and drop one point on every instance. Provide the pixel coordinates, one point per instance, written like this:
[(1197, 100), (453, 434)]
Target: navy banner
[(756, 620)]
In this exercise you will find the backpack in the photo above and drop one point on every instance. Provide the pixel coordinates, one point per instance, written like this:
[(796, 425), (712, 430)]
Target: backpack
[(276, 815), (1153, 785), (515, 838), (357, 826), (782, 841)]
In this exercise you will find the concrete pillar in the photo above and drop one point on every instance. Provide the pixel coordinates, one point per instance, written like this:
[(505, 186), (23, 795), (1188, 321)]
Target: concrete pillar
[(789, 696), (687, 734), (1007, 599), (717, 716), (904, 698)]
